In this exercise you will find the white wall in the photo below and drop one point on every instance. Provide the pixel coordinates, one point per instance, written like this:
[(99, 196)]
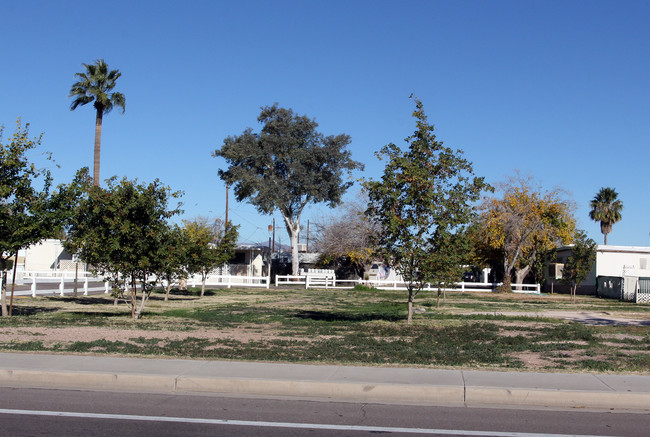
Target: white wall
[(257, 264), (613, 260), (44, 255)]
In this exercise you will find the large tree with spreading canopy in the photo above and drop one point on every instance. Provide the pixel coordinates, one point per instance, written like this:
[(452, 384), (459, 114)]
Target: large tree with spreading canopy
[(287, 166), (523, 223)]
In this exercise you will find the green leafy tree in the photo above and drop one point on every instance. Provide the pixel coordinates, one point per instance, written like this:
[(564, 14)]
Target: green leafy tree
[(606, 208), (210, 245), (421, 206), (30, 210), (95, 85), (172, 257), (121, 231), (448, 258), (580, 262), (287, 166)]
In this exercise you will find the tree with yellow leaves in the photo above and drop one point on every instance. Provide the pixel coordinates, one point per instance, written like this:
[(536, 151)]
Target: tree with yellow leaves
[(524, 222)]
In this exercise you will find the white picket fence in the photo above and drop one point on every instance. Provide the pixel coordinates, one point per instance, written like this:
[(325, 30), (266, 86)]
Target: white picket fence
[(62, 281), (60, 278), (327, 281), (230, 280), (311, 278)]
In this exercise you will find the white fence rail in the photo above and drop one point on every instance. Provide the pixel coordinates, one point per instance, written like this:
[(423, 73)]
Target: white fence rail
[(290, 280), (61, 278), (230, 280), (63, 281), (332, 282)]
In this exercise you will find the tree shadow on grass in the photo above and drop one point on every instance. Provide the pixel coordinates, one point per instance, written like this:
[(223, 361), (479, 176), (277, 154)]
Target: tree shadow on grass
[(83, 300), (76, 315), (330, 316), (196, 292), (161, 297), (30, 311)]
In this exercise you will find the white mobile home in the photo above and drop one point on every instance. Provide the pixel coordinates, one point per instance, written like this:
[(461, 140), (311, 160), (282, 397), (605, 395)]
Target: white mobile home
[(619, 271), (48, 255)]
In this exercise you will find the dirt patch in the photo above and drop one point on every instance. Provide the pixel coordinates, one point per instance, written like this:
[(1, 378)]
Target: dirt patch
[(585, 317), (51, 336), (532, 360)]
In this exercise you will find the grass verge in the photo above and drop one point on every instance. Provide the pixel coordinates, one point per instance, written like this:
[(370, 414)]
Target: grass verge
[(339, 326)]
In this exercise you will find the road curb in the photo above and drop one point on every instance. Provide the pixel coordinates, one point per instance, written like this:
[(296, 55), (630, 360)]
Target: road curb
[(87, 380), (598, 400), (351, 391), (344, 391)]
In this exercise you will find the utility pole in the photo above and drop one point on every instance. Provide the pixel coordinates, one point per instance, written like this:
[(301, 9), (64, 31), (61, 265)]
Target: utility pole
[(307, 235), (273, 250), (226, 224)]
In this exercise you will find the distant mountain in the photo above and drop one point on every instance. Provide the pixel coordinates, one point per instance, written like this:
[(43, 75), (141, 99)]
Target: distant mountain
[(265, 244)]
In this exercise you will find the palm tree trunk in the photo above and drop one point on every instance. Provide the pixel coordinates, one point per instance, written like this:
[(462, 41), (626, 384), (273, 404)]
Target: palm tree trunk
[(98, 146)]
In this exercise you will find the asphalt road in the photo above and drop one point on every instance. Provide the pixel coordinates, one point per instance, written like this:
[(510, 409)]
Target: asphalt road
[(37, 412)]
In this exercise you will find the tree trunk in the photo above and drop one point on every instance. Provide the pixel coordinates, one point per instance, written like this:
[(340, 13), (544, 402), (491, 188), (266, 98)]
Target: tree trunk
[(409, 318), (13, 284), (133, 296), (203, 277), (573, 292), (295, 256), (506, 287), (520, 275), (98, 146), (3, 289), (169, 287), (143, 300), (293, 229)]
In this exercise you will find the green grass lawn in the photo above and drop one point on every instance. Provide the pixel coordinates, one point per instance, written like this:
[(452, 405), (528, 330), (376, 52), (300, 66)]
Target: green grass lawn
[(340, 326)]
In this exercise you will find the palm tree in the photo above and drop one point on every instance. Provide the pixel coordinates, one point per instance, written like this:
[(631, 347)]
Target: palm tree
[(606, 209), (95, 85)]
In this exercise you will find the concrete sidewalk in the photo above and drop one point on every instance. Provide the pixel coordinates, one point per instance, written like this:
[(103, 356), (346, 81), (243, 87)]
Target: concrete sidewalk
[(339, 383)]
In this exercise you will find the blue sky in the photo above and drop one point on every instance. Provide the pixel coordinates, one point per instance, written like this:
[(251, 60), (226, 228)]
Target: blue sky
[(559, 90)]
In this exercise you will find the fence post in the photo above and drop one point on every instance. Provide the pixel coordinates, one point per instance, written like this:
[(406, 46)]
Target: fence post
[(62, 286), (106, 287), (229, 281), (34, 285), (86, 287), (462, 287)]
